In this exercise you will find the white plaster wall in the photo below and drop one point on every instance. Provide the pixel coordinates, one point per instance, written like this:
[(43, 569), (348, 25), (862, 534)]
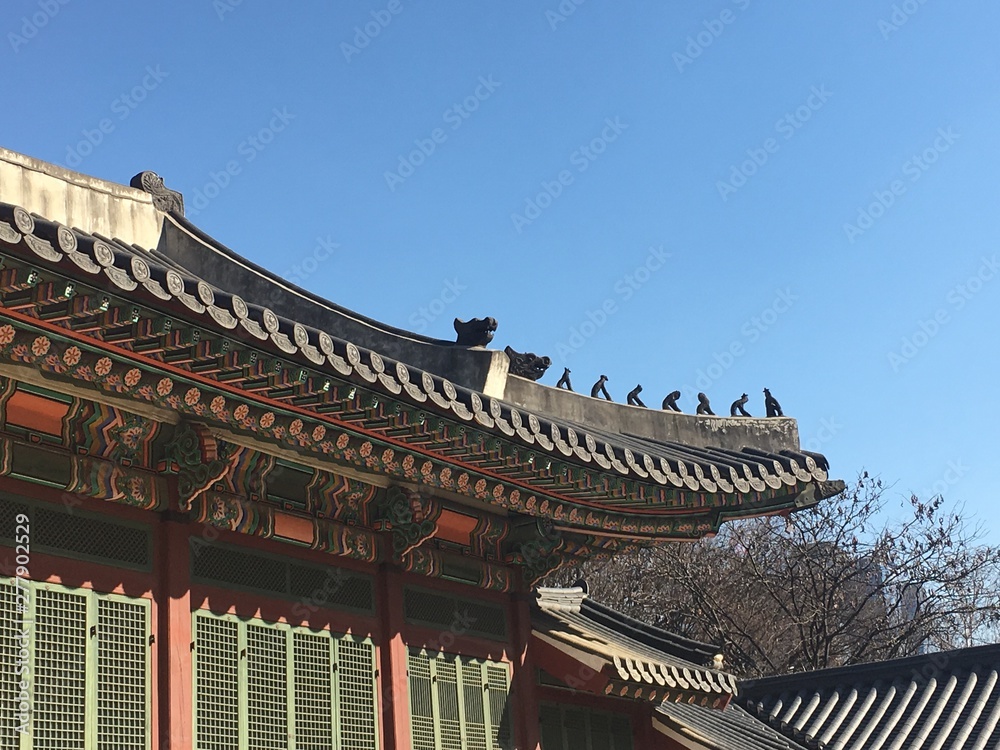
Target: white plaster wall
[(74, 199)]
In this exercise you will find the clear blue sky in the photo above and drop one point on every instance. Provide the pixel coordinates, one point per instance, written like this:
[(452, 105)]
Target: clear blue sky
[(819, 181)]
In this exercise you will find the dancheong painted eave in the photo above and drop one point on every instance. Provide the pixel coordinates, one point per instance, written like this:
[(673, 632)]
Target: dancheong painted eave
[(140, 303)]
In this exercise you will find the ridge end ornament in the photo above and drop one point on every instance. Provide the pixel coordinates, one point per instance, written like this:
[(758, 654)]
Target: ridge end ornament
[(475, 332), (164, 199), (527, 365)]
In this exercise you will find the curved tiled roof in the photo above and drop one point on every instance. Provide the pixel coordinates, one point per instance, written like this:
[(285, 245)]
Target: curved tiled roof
[(144, 276), (940, 701), (641, 661), (266, 277), (729, 729)]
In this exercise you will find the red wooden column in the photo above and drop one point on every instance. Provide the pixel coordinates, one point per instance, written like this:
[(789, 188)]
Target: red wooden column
[(524, 686), (393, 661), (174, 640)]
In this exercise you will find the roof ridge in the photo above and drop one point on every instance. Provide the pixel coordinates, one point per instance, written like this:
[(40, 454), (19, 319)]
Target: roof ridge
[(187, 225), (641, 630), (967, 657)]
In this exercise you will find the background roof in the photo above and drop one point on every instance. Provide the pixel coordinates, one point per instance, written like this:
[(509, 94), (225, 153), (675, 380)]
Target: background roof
[(948, 697)]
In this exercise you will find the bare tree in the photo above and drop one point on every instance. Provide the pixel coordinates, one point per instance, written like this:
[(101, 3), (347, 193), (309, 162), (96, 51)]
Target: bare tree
[(838, 584)]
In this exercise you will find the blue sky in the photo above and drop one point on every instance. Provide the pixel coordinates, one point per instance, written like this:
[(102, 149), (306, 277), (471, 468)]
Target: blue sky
[(715, 196)]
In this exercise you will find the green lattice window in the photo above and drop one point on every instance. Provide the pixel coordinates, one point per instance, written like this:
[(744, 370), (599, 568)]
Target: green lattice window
[(86, 662), (263, 686), (440, 610), (458, 703), (68, 532), (575, 728)]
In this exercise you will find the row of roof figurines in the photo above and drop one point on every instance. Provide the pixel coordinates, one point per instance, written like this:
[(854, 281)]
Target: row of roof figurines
[(479, 332), (736, 409)]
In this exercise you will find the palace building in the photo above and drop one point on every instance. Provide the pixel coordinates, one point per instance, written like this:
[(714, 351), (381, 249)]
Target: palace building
[(235, 516)]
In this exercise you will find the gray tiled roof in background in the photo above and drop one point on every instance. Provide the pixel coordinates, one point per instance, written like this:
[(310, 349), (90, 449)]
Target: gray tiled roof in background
[(940, 701), (631, 652), (730, 729)]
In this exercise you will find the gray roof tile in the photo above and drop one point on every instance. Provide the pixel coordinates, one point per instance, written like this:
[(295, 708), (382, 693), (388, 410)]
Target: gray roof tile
[(940, 701), (635, 655), (730, 729)]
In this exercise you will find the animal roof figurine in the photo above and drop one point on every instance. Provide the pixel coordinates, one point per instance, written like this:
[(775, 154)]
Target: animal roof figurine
[(772, 405), (633, 397), (564, 380), (670, 401), (600, 389), (703, 406), (738, 406)]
